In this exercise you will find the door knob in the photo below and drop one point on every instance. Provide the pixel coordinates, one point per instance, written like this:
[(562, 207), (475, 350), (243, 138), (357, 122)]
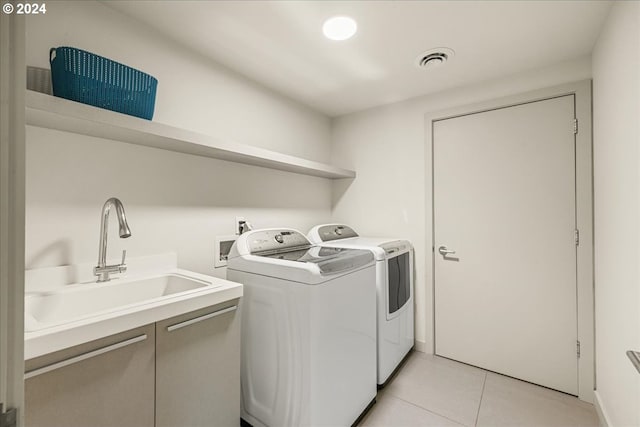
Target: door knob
[(444, 251)]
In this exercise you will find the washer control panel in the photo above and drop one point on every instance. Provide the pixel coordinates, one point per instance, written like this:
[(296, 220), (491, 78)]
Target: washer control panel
[(276, 239)]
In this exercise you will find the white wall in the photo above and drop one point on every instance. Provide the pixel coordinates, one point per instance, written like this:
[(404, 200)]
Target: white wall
[(175, 202), (193, 92), (616, 126), (392, 192)]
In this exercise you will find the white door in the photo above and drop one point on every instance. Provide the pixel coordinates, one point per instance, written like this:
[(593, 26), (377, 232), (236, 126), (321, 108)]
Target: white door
[(504, 201)]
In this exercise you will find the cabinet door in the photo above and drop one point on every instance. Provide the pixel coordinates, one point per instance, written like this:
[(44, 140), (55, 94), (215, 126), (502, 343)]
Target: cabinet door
[(103, 383), (198, 368)]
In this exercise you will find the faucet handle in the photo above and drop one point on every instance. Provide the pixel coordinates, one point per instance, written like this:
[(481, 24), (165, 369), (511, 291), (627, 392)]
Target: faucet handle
[(122, 268)]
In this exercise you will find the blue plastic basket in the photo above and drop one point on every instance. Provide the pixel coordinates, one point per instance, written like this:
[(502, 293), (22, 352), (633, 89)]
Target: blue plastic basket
[(85, 77)]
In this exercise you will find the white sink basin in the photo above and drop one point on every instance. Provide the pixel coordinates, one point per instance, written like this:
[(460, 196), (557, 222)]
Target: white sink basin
[(81, 301), (64, 307)]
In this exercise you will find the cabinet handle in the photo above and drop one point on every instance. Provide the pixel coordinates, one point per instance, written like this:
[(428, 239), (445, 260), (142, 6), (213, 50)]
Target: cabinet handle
[(84, 356), (201, 318), (634, 356)]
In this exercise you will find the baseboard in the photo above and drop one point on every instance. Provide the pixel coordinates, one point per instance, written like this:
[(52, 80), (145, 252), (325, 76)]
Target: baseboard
[(602, 413), (421, 346)]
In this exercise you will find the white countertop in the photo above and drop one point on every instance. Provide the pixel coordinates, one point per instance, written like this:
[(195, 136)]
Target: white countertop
[(88, 328)]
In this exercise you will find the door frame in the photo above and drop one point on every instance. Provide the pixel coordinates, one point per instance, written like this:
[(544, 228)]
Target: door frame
[(12, 211), (584, 215)]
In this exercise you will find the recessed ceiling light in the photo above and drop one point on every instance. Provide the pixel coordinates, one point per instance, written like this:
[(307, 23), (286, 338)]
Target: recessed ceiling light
[(339, 28), (434, 57)]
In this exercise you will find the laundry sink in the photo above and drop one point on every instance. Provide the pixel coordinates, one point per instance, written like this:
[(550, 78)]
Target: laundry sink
[(87, 300), (66, 307)]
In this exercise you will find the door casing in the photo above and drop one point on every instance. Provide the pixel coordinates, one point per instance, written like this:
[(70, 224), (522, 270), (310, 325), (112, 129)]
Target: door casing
[(584, 215), (12, 210)]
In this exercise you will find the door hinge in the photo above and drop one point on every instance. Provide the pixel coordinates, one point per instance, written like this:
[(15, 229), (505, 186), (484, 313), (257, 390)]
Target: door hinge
[(575, 126), (578, 349), (577, 236), (8, 418)]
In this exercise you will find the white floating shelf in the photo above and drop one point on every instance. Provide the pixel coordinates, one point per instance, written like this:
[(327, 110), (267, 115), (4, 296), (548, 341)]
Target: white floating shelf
[(49, 112)]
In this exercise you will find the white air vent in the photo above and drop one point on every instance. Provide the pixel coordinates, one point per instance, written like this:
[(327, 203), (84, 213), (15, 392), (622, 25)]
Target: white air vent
[(434, 57)]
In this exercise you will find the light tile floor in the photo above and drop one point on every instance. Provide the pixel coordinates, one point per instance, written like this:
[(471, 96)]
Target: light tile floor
[(434, 391)]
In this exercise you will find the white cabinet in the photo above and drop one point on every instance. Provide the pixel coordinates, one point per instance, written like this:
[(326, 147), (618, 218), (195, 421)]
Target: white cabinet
[(107, 382), (198, 368)]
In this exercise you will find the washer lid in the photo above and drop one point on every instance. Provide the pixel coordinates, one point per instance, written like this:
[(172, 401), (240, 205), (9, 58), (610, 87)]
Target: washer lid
[(287, 249), (329, 260)]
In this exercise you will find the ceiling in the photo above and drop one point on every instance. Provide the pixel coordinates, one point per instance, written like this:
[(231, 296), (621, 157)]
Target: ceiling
[(280, 43)]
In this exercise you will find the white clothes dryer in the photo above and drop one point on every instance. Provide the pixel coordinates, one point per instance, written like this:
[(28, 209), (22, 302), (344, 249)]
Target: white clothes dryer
[(308, 335), (394, 285)]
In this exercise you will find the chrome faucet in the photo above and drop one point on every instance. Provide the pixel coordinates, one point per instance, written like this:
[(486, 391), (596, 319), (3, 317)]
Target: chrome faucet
[(102, 270)]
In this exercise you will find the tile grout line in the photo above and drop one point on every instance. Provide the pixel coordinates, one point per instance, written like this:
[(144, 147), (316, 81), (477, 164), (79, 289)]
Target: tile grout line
[(425, 409), (481, 396)]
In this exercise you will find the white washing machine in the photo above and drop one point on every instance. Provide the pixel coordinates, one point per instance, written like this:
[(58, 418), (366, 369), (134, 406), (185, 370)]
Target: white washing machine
[(308, 330), (394, 287)]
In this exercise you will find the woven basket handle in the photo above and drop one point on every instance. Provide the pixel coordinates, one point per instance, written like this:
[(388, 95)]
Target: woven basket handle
[(52, 54)]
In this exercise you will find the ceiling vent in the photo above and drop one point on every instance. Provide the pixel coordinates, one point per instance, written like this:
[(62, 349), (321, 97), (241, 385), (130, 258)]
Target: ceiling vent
[(434, 57)]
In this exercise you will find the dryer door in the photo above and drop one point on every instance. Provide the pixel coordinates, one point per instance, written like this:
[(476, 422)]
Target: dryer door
[(398, 283)]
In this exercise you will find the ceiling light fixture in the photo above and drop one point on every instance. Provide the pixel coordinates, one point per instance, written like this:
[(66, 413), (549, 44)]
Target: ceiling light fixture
[(339, 28), (434, 57)]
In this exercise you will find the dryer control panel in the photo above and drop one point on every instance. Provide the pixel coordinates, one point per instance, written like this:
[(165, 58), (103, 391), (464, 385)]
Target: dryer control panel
[(335, 232), (398, 246)]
